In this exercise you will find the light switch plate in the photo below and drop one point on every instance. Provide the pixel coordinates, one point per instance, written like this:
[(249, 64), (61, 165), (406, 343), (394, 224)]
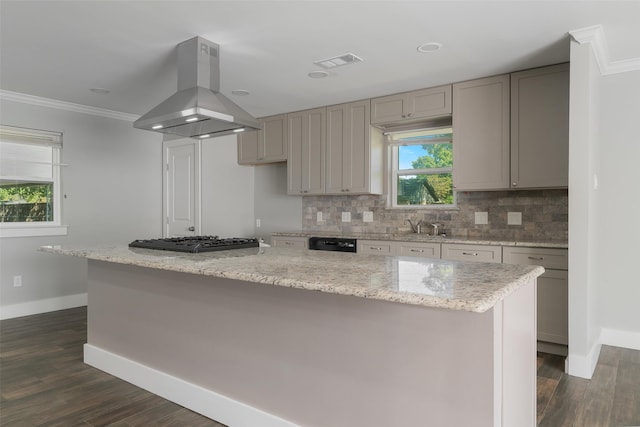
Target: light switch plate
[(346, 216), (367, 216), (482, 218), (319, 217), (514, 218)]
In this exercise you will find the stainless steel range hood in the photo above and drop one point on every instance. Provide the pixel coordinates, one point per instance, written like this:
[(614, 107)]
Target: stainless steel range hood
[(198, 109)]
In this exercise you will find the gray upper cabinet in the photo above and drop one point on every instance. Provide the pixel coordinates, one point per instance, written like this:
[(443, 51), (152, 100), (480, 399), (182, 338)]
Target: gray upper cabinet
[(268, 145), (481, 134), (306, 155), (354, 150), (540, 127), (411, 106)]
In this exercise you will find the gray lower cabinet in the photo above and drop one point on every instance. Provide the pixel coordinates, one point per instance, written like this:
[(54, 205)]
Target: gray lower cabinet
[(464, 252), (268, 145), (418, 249), (540, 127), (553, 295), (377, 247), (481, 134), (306, 159), (290, 242)]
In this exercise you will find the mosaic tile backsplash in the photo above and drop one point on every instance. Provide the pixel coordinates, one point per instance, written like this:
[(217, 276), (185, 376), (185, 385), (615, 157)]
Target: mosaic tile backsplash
[(545, 215)]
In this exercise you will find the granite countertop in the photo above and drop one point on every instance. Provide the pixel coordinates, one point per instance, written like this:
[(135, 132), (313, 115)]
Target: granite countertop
[(426, 238), (466, 286)]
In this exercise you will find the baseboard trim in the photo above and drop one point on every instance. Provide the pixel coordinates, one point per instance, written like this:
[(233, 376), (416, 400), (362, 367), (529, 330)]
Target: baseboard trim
[(199, 399), (583, 366), (42, 306), (617, 338)]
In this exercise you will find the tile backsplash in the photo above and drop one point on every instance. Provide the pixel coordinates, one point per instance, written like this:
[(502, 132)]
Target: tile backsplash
[(544, 214)]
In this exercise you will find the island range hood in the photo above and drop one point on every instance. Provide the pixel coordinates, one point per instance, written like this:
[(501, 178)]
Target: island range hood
[(197, 109)]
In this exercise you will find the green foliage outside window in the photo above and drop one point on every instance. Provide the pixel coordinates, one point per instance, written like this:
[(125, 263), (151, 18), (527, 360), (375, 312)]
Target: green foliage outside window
[(26, 202), (428, 188)]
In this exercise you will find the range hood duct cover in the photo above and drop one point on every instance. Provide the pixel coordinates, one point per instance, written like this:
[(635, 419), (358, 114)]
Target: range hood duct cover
[(198, 98)]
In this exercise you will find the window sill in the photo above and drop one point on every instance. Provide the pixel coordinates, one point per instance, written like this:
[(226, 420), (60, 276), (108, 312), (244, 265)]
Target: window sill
[(32, 230), (425, 207)]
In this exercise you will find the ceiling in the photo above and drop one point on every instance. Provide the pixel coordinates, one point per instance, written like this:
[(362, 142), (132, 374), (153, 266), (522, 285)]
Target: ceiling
[(62, 49)]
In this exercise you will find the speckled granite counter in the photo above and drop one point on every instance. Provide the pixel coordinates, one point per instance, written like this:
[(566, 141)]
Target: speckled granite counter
[(413, 237), (475, 287)]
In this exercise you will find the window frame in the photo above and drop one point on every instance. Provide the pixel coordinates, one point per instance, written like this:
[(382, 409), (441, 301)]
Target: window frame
[(395, 172), (53, 140)]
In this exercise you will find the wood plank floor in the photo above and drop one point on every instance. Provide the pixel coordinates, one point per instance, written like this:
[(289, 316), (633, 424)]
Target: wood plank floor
[(43, 381)]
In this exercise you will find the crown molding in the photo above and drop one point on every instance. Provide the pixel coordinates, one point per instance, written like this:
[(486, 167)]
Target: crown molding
[(595, 37), (67, 106)]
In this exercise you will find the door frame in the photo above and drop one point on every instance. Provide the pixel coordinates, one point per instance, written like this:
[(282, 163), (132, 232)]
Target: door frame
[(197, 179)]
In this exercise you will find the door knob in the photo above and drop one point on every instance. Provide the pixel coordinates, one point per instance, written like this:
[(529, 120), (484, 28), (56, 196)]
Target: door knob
[(192, 228)]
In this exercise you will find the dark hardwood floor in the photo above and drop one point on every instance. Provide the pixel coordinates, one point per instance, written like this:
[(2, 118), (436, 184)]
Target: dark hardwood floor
[(43, 382)]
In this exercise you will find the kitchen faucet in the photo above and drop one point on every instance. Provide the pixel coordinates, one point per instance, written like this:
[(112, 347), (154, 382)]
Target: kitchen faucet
[(417, 227)]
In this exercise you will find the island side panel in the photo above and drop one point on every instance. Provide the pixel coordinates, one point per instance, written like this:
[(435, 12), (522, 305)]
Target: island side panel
[(311, 358)]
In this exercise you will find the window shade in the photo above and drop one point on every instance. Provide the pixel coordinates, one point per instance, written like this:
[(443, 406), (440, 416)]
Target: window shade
[(30, 136)]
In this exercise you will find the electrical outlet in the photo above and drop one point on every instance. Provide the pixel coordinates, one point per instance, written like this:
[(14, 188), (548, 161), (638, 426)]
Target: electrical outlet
[(258, 223), (514, 218), (367, 216), (346, 216), (482, 218), (319, 217), (17, 281)]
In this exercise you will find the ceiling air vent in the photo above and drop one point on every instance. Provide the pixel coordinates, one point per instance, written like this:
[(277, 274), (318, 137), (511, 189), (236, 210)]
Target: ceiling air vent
[(338, 61)]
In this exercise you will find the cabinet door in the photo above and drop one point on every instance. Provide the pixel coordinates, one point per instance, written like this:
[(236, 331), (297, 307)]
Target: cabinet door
[(349, 148), (290, 242), (540, 127), (481, 134), (305, 165), (248, 147), (431, 102), (483, 253), (418, 249), (376, 247), (553, 303), (274, 141), (388, 109)]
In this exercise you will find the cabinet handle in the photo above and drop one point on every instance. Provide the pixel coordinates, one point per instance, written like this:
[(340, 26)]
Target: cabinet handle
[(470, 253), (375, 249), (537, 258), (417, 250), (514, 184), (288, 243)]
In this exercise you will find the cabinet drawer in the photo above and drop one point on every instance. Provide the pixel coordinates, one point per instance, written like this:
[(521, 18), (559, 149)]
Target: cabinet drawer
[(425, 250), (290, 242), (482, 253), (375, 247), (557, 259)]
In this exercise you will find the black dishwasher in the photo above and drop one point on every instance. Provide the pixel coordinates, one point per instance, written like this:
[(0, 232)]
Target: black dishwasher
[(332, 244)]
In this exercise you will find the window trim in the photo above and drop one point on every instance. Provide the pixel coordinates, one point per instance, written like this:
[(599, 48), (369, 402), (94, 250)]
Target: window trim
[(394, 173), (40, 228)]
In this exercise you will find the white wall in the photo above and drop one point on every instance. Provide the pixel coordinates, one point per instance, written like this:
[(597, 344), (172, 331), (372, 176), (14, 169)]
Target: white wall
[(276, 210), (618, 228), (113, 188), (227, 190), (604, 148)]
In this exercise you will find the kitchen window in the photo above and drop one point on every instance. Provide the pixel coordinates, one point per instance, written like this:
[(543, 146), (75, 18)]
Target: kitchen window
[(30, 182), (421, 168)]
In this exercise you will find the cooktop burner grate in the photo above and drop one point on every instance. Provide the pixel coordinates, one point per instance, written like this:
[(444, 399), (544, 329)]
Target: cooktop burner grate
[(195, 244)]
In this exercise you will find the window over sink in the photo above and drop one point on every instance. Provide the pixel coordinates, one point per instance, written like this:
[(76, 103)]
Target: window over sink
[(421, 174)]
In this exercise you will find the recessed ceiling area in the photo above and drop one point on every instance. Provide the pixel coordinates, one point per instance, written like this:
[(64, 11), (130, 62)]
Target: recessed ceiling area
[(62, 49)]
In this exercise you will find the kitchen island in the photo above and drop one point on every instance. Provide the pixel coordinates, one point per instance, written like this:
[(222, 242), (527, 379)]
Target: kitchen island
[(240, 336)]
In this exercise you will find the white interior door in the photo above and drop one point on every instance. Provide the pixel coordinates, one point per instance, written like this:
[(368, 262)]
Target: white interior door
[(181, 187)]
